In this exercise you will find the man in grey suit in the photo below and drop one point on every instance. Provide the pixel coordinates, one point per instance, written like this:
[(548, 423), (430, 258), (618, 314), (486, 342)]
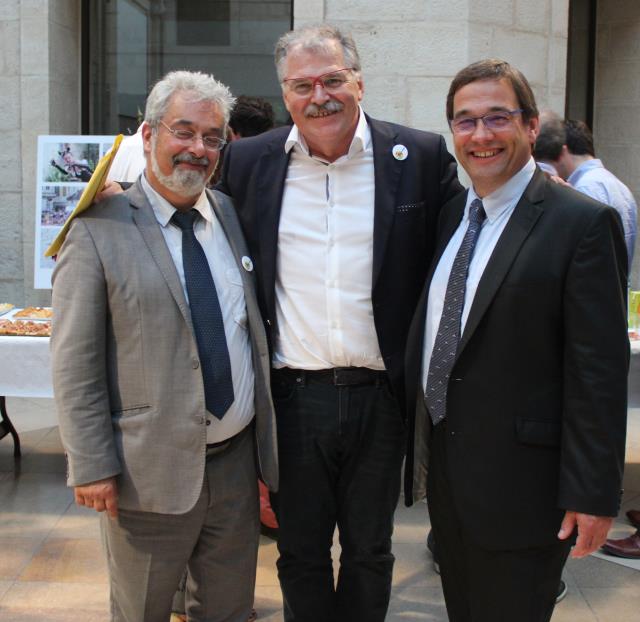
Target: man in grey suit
[(160, 371)]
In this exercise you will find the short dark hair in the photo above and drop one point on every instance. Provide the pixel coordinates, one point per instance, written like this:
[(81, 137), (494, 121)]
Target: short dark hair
[(495, 69), (579, 139), (251, 116), (551, 138)]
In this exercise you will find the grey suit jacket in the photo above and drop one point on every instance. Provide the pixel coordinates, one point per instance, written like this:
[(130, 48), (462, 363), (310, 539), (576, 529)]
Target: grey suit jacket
[(126, 374)]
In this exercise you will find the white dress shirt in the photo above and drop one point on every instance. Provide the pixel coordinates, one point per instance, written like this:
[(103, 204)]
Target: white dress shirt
[(325, 259), (129, 160), (499, 206), (228, 282)]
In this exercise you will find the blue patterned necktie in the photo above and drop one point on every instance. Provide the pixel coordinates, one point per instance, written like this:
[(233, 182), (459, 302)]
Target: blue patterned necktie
[(206, 317), (445, 346)]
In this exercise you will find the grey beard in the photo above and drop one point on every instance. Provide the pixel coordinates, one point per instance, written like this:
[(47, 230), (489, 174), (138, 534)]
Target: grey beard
[(183, 182)]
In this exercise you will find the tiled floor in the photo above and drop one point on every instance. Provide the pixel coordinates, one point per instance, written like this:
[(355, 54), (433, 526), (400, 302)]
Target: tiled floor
[(52, 570)]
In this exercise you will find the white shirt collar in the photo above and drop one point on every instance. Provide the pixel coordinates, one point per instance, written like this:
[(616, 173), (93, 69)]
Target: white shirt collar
[(163, 210), (506, 195), (361, 139)]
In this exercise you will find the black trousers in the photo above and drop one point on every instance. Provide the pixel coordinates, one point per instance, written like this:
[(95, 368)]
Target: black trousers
[(481, 585), (341, 451)]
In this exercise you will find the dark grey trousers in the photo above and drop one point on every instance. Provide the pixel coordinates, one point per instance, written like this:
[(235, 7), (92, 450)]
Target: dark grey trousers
[(217, 540)]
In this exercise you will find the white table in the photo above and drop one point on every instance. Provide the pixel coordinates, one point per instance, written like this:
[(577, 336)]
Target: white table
[(25, 371)]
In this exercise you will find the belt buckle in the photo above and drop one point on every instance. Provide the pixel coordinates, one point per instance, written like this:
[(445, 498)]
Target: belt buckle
[(336, 378)]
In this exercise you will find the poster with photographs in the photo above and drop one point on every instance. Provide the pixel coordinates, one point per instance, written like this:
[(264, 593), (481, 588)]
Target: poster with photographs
[(65, 165)]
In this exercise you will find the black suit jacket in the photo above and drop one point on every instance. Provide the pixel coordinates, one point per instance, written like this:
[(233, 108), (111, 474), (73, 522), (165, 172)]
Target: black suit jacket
[(536, 407), (408, 196)]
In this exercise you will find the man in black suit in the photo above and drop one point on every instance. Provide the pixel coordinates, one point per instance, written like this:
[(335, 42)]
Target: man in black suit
[(518, 356), (340, 212)]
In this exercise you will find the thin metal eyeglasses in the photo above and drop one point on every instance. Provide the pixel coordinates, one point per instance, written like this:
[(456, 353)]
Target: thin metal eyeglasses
[(493, 121), (331, 81), (215, 143)]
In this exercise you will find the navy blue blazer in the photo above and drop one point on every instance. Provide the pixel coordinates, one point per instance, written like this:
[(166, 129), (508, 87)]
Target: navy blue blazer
[(408, 196)]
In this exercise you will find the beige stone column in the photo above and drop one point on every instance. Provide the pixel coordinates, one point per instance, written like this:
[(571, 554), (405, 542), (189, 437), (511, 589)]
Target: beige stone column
[(39, 94)]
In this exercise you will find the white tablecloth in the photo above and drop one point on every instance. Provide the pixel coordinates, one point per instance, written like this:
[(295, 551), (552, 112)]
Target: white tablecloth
[(25, 366)]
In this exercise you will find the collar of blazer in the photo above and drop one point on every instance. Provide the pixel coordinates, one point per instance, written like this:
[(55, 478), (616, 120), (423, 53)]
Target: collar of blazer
[(525, 215), (387, 174)]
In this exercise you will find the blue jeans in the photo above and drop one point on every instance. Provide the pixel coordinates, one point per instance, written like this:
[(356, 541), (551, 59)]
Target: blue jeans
[(341, 450)]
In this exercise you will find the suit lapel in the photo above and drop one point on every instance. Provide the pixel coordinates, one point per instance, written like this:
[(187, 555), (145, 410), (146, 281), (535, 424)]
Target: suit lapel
[(149, 228), (226, 215), (387, 171), (224, 211), (272, 167), (523, 219)]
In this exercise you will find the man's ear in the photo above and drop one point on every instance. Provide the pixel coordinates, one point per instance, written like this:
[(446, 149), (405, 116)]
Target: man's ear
[(146, 137), (533, 129), (360, 89)]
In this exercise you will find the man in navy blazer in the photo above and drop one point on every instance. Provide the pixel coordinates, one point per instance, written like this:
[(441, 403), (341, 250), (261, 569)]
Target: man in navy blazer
[(517, 363), (340, 212)]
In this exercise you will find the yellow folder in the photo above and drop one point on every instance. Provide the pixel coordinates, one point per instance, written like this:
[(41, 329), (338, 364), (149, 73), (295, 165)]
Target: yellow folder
[(95, 185)]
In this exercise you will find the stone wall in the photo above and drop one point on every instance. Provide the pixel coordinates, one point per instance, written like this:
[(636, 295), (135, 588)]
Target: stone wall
[(39, 94), (617, 97), (411, 49)]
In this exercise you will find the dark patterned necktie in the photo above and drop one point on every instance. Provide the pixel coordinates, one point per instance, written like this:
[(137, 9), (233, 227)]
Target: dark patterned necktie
[(446, 343), (207, 319)]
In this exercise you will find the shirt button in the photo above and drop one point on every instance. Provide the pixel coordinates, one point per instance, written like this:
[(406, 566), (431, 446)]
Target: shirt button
[(195, 363), (208, 421)]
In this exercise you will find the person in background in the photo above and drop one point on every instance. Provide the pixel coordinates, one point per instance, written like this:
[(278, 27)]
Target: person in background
[(628, 547), (251, 116), (577, 163), (551, 139), (129, 160)]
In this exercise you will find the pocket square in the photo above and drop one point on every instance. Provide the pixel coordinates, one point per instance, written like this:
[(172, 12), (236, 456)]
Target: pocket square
[(407, 207)]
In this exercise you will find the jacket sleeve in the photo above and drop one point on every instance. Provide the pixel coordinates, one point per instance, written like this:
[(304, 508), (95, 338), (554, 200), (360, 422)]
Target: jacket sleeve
[(596, 361), (78, 352)]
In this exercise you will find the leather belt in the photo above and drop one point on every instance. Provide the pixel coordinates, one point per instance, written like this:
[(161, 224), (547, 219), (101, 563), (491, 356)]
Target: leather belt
[(338, 376)]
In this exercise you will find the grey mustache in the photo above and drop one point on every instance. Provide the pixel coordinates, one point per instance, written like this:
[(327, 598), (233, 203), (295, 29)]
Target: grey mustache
[(189, 159), (331, 106)]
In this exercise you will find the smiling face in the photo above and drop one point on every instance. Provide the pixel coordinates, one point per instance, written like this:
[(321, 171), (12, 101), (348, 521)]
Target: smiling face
[(327, 121), (179, 170), (492, 158)]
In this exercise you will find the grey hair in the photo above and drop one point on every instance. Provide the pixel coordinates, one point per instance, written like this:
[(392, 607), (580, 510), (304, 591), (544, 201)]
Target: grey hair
[(203, 87), (316, 38)]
